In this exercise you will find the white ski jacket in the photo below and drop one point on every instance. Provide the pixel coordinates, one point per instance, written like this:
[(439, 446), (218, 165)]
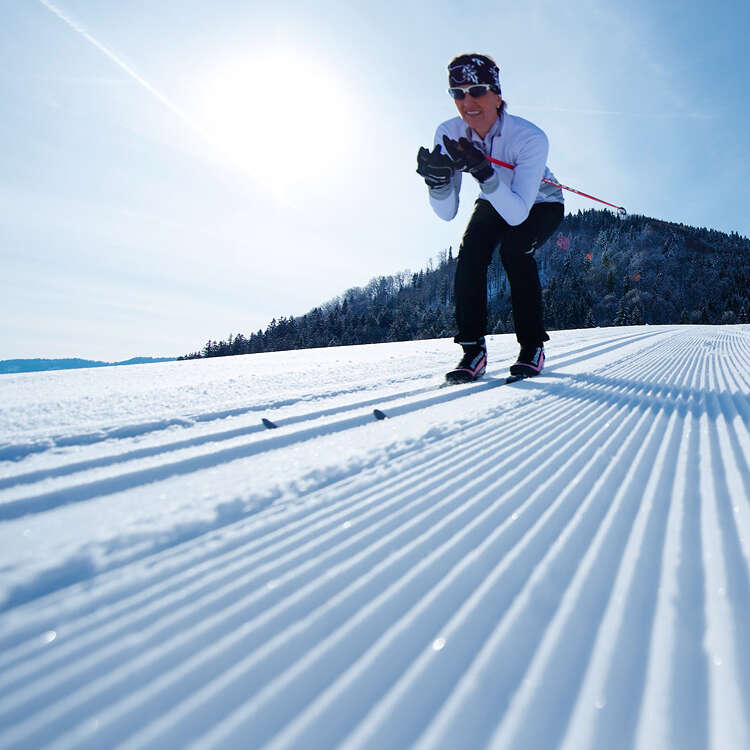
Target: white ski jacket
[(515, 141)]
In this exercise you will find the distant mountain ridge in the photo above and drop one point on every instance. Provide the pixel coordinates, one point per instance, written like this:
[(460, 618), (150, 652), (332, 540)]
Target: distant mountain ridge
[(8, 366)]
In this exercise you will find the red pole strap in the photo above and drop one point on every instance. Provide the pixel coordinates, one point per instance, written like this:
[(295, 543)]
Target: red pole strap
[(620, 209)]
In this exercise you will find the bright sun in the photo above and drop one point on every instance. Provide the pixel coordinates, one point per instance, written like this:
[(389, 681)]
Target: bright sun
[(274, 116)]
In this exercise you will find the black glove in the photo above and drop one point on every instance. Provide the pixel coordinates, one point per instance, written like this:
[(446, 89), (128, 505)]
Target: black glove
[(437, 168), (469, 157)]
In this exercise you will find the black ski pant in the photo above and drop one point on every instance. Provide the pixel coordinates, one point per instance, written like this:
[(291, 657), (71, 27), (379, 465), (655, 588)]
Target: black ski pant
[(485, 231)]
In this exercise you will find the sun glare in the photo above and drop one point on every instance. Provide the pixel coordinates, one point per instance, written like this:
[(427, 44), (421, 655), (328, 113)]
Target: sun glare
[(275, 116)]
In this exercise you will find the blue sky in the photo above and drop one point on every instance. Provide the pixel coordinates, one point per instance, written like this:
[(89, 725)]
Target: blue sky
[(175, 171)]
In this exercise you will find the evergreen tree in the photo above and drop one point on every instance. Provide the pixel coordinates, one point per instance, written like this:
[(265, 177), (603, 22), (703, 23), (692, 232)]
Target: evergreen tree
[(621, 317)]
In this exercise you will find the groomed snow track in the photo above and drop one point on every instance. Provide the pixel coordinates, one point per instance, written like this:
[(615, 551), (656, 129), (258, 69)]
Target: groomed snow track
[(561, 562)]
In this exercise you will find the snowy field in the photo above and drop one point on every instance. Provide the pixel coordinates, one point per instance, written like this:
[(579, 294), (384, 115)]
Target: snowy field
[(561, 562)]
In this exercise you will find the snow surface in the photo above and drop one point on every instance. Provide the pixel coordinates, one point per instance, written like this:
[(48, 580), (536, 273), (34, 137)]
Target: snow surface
[(561, 562)]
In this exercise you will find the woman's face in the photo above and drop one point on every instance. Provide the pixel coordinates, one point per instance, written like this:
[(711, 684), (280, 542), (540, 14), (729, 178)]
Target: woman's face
[(479, 113)]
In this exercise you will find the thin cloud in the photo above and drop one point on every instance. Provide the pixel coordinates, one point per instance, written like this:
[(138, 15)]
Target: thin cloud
[(123, 66), (619, 113)]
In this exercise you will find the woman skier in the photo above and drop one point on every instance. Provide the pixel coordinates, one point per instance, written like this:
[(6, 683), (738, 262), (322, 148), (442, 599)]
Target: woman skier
[(515, 210)]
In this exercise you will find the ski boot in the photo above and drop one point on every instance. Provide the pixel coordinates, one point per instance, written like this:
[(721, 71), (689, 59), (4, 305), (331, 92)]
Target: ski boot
[(529, 363), (472, 364)]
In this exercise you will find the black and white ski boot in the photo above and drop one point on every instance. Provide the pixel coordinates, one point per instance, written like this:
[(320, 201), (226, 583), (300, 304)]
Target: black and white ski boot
[(529, 363), (472, 364)]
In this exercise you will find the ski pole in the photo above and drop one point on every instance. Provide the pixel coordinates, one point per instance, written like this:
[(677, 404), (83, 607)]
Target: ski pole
[(620, 210)]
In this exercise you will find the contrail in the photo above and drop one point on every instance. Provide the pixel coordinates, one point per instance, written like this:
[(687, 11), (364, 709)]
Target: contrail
[(124, 66)]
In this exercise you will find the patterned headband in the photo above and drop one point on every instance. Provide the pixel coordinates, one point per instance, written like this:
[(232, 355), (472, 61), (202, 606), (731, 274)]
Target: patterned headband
[(469, 69)]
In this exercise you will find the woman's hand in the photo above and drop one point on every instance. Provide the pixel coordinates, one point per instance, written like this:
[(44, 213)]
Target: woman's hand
[(436, 167), (471, 159)]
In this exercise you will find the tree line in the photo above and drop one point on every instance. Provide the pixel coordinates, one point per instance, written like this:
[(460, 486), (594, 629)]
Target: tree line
[(596, 270)]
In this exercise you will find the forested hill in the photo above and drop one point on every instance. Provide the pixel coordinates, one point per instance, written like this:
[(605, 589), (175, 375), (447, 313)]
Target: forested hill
[(596, 270)]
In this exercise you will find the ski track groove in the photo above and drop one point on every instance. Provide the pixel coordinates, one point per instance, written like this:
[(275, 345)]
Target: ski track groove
[(453, 587), (18, 451), (89, 490), (469, 633), (728, 584), (295, 531), (244, 430), (308, 520), (689, 668), (277, 692), (561, 657), (609, 702), (64, 689), (494, 588)]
